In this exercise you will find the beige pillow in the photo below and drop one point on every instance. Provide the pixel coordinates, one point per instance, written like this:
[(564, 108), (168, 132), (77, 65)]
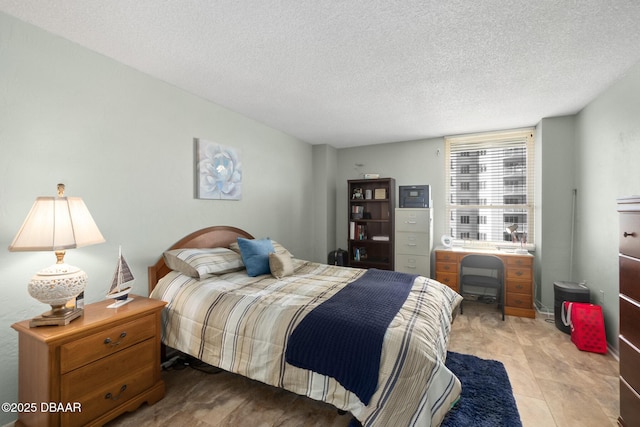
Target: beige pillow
[(280, 265), (200, 262)]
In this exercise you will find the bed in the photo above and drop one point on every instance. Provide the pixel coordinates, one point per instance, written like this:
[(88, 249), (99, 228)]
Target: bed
[(245, 323)]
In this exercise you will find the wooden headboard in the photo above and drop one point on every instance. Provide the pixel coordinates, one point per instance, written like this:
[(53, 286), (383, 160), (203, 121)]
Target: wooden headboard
[(219, 236)]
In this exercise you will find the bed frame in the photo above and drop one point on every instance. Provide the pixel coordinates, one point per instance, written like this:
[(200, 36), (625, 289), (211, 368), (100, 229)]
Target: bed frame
[(219, 236)]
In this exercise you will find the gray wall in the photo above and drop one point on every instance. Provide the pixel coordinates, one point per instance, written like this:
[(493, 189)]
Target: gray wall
[(124, 143), (324, 193), (554, 194), (606, 163), (410, 163)]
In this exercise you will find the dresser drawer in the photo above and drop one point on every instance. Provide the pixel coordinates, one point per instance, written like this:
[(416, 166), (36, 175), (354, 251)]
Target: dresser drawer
[(412, 243), (519, 287), (413, 220), (630, 224), (630, 277), (519, 300), (106, 342), (629, 405), (629, 321), (630, 364)]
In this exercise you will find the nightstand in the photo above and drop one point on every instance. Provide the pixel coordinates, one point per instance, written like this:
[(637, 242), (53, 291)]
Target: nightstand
[(107, 362)]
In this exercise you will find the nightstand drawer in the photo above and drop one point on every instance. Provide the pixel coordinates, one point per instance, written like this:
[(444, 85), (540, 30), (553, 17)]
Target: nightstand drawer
[(121, 365), (127, 373), (104, 343)]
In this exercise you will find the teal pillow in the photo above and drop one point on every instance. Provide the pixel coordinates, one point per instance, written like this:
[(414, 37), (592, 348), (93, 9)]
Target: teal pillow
[(255, 255)]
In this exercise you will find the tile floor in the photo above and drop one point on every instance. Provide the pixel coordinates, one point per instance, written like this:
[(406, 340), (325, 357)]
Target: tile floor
[(554, 383)]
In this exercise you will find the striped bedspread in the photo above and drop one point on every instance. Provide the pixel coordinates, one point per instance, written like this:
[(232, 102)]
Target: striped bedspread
[(241, 324)]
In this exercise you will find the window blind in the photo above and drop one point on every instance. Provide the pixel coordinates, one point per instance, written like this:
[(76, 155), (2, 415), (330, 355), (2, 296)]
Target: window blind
[(490, 186)]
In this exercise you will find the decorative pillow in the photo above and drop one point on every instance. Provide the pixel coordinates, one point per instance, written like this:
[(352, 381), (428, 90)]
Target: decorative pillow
[(199, 262), (255, 255), (280, 265), (277, 247)]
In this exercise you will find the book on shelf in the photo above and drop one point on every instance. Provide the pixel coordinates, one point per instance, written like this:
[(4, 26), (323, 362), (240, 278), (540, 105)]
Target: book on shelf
[(380, 238), (357, 231)]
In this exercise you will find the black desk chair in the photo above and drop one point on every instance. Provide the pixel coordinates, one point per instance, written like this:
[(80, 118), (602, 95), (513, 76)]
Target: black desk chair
[(482, 277)]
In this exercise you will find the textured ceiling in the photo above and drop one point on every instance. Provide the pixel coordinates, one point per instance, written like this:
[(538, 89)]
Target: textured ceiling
[(357, 72)]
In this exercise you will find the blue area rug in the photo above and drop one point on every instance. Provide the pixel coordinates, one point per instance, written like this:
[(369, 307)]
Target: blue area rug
[(487, 399)]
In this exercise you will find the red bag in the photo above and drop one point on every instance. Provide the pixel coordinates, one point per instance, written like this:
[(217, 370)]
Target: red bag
[(587, 326)]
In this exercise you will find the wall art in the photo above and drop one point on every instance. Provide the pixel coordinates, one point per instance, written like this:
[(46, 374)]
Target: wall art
[(218, 171)]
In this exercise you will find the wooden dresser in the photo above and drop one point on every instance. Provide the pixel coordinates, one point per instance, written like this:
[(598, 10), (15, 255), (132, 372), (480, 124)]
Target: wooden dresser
[(104, 363), (518, 277), (629, 339)]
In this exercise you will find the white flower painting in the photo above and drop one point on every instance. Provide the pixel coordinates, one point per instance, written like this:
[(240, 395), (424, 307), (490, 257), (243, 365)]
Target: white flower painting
[(219, 171)]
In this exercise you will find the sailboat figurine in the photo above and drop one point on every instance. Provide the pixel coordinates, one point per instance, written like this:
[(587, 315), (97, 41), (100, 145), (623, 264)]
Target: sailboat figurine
[(121, 283)]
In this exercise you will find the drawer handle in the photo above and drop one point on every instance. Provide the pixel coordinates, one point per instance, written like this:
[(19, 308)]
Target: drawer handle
[(112, 397), (518, 273), (632, 234), (108, 341), (519, 287), (412, 244), (410, 222)]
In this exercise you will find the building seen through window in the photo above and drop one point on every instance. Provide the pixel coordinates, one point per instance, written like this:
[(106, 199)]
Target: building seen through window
[(490, 179)]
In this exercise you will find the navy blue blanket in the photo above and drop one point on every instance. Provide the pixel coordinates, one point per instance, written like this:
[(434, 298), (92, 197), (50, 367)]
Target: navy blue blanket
[(342, 337)]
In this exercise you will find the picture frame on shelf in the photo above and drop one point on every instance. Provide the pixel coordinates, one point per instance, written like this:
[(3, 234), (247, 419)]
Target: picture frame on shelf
[(380, 194)]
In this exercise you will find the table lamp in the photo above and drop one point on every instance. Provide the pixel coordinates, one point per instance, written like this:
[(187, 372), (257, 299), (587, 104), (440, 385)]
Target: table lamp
[(514, 238), (56, 224)]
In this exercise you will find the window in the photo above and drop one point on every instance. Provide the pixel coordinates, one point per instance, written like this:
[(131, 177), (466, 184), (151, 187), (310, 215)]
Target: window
[(490, 178)]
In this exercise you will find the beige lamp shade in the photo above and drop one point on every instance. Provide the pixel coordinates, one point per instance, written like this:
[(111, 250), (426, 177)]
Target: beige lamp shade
[(55, 224)]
